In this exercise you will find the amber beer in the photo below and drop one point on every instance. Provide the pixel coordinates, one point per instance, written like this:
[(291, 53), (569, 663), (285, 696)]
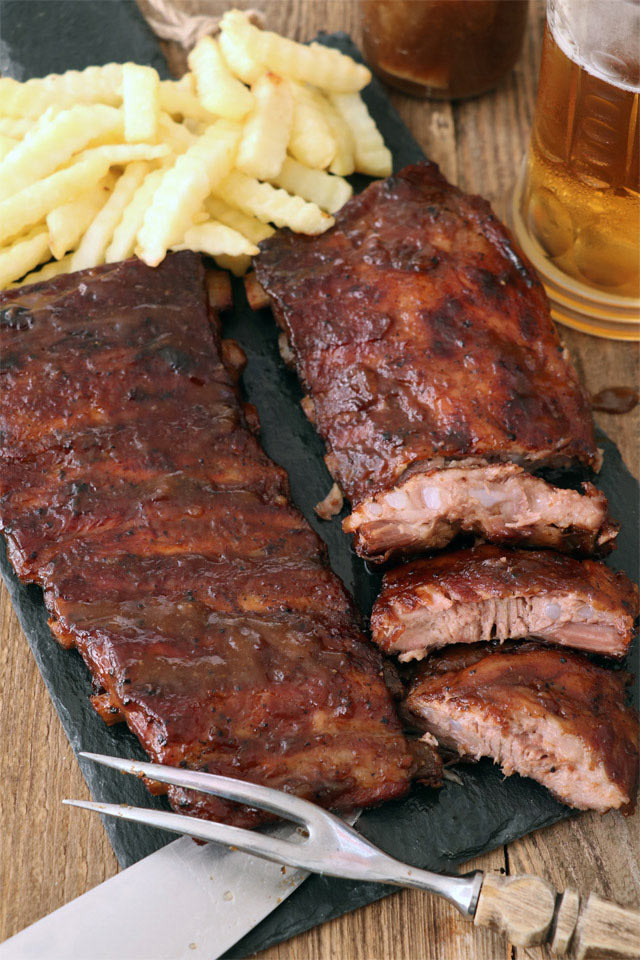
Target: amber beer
[(581, 199)]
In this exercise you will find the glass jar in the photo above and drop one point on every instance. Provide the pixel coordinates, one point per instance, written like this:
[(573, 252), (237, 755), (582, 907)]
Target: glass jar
[(443, 48)]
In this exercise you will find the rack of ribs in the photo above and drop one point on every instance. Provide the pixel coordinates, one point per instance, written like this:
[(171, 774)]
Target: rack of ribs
[(171, 558), (434, 373), (538, 711), (490, 592)]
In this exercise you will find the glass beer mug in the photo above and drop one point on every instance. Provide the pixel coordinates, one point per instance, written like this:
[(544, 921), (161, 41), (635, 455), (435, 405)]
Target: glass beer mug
[(577, 210)]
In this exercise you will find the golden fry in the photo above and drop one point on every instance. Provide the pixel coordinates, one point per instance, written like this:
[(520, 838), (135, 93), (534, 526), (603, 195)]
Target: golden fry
[(23, 255), (238, 58), (183, 189), (272, 205), (47, 272), (215, 239), (328, 192), (31, 99), (15, 127), (311, 141), (123, 243), (344, 158), (315, 64), (93, 246), (178, 99), (50, 145), (250, 227), (32, 204), (119, 154), (6, 145), (267, 130), (218, 90), (140, 101), (372, 156), (237, 265), (67, 223)]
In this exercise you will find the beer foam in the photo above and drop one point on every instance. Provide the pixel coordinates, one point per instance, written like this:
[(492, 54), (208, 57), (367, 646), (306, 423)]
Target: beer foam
[(601, 38)]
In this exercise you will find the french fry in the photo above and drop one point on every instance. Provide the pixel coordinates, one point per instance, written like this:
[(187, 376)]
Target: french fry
[(372, 157), (67, 223), (272, 205), (178, 99), (237, 265), (32, 204), (120, 154), (183, 189), (15, 127), (266, 132), (23, 255), (92, 249), (140, 101), (218, 90), (47, 272), (250, 227), (51, 144), (176, 135), (123, 243), (28, 100), (215, 239), (6, 145), (328, 192), (315, 64), (344, 159), (31, 99), (311, 141), (238, 58)]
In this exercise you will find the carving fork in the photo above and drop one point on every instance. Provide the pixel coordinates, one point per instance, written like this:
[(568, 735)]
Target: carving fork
[(525, 909)]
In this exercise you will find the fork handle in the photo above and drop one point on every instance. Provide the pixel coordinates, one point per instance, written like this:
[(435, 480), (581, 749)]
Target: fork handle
[(529, 912)]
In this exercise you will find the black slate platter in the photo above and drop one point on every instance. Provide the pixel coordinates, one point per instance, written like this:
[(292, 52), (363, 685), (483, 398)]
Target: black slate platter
[(434, 829)]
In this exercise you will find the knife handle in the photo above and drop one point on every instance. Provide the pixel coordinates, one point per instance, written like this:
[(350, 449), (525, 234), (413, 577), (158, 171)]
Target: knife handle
[(529, 912)]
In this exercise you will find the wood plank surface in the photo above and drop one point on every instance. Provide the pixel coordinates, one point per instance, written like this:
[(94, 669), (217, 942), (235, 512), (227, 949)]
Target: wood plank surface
[(49, 853)]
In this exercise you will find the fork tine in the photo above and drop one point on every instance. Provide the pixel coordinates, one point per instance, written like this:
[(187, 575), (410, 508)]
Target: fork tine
[(259, 844), (253, 794)]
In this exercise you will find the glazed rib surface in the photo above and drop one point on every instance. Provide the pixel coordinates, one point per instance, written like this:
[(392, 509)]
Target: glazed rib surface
[(490, 592), (170, 555), (425, 343), (538, 711)]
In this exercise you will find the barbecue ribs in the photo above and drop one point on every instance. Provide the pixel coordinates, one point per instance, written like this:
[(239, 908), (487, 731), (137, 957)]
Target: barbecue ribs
[(491, 592), (132, 490), (538, 711), (434, 373)]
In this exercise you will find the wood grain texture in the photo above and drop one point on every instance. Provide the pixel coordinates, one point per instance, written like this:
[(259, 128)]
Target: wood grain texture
[(49, 854)]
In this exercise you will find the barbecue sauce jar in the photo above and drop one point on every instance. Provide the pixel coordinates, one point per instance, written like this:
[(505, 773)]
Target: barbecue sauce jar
[(443, 49)]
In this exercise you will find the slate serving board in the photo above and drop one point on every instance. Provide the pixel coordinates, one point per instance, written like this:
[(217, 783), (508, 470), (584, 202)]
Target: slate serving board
[(431, 829)]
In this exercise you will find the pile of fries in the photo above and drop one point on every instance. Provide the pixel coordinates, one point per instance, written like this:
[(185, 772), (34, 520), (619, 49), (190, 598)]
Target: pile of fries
[(112, 162)]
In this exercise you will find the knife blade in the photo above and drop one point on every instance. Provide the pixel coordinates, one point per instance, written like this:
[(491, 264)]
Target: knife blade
[(184, 902)]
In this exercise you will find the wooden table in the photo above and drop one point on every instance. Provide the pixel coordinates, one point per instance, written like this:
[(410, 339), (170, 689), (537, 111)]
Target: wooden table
[(49, 854)]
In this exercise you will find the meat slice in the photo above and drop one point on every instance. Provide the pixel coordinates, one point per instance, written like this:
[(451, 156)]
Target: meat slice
[(496, 593), (133, 491), (434, 373), (538, 711)]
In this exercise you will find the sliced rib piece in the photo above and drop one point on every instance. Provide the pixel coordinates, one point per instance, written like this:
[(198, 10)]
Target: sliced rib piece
[(538, 711), (434, 372), (133, 491), (494, 593)]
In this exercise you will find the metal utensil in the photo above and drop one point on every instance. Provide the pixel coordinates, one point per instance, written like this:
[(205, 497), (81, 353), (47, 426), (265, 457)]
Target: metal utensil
[(526, 909)]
